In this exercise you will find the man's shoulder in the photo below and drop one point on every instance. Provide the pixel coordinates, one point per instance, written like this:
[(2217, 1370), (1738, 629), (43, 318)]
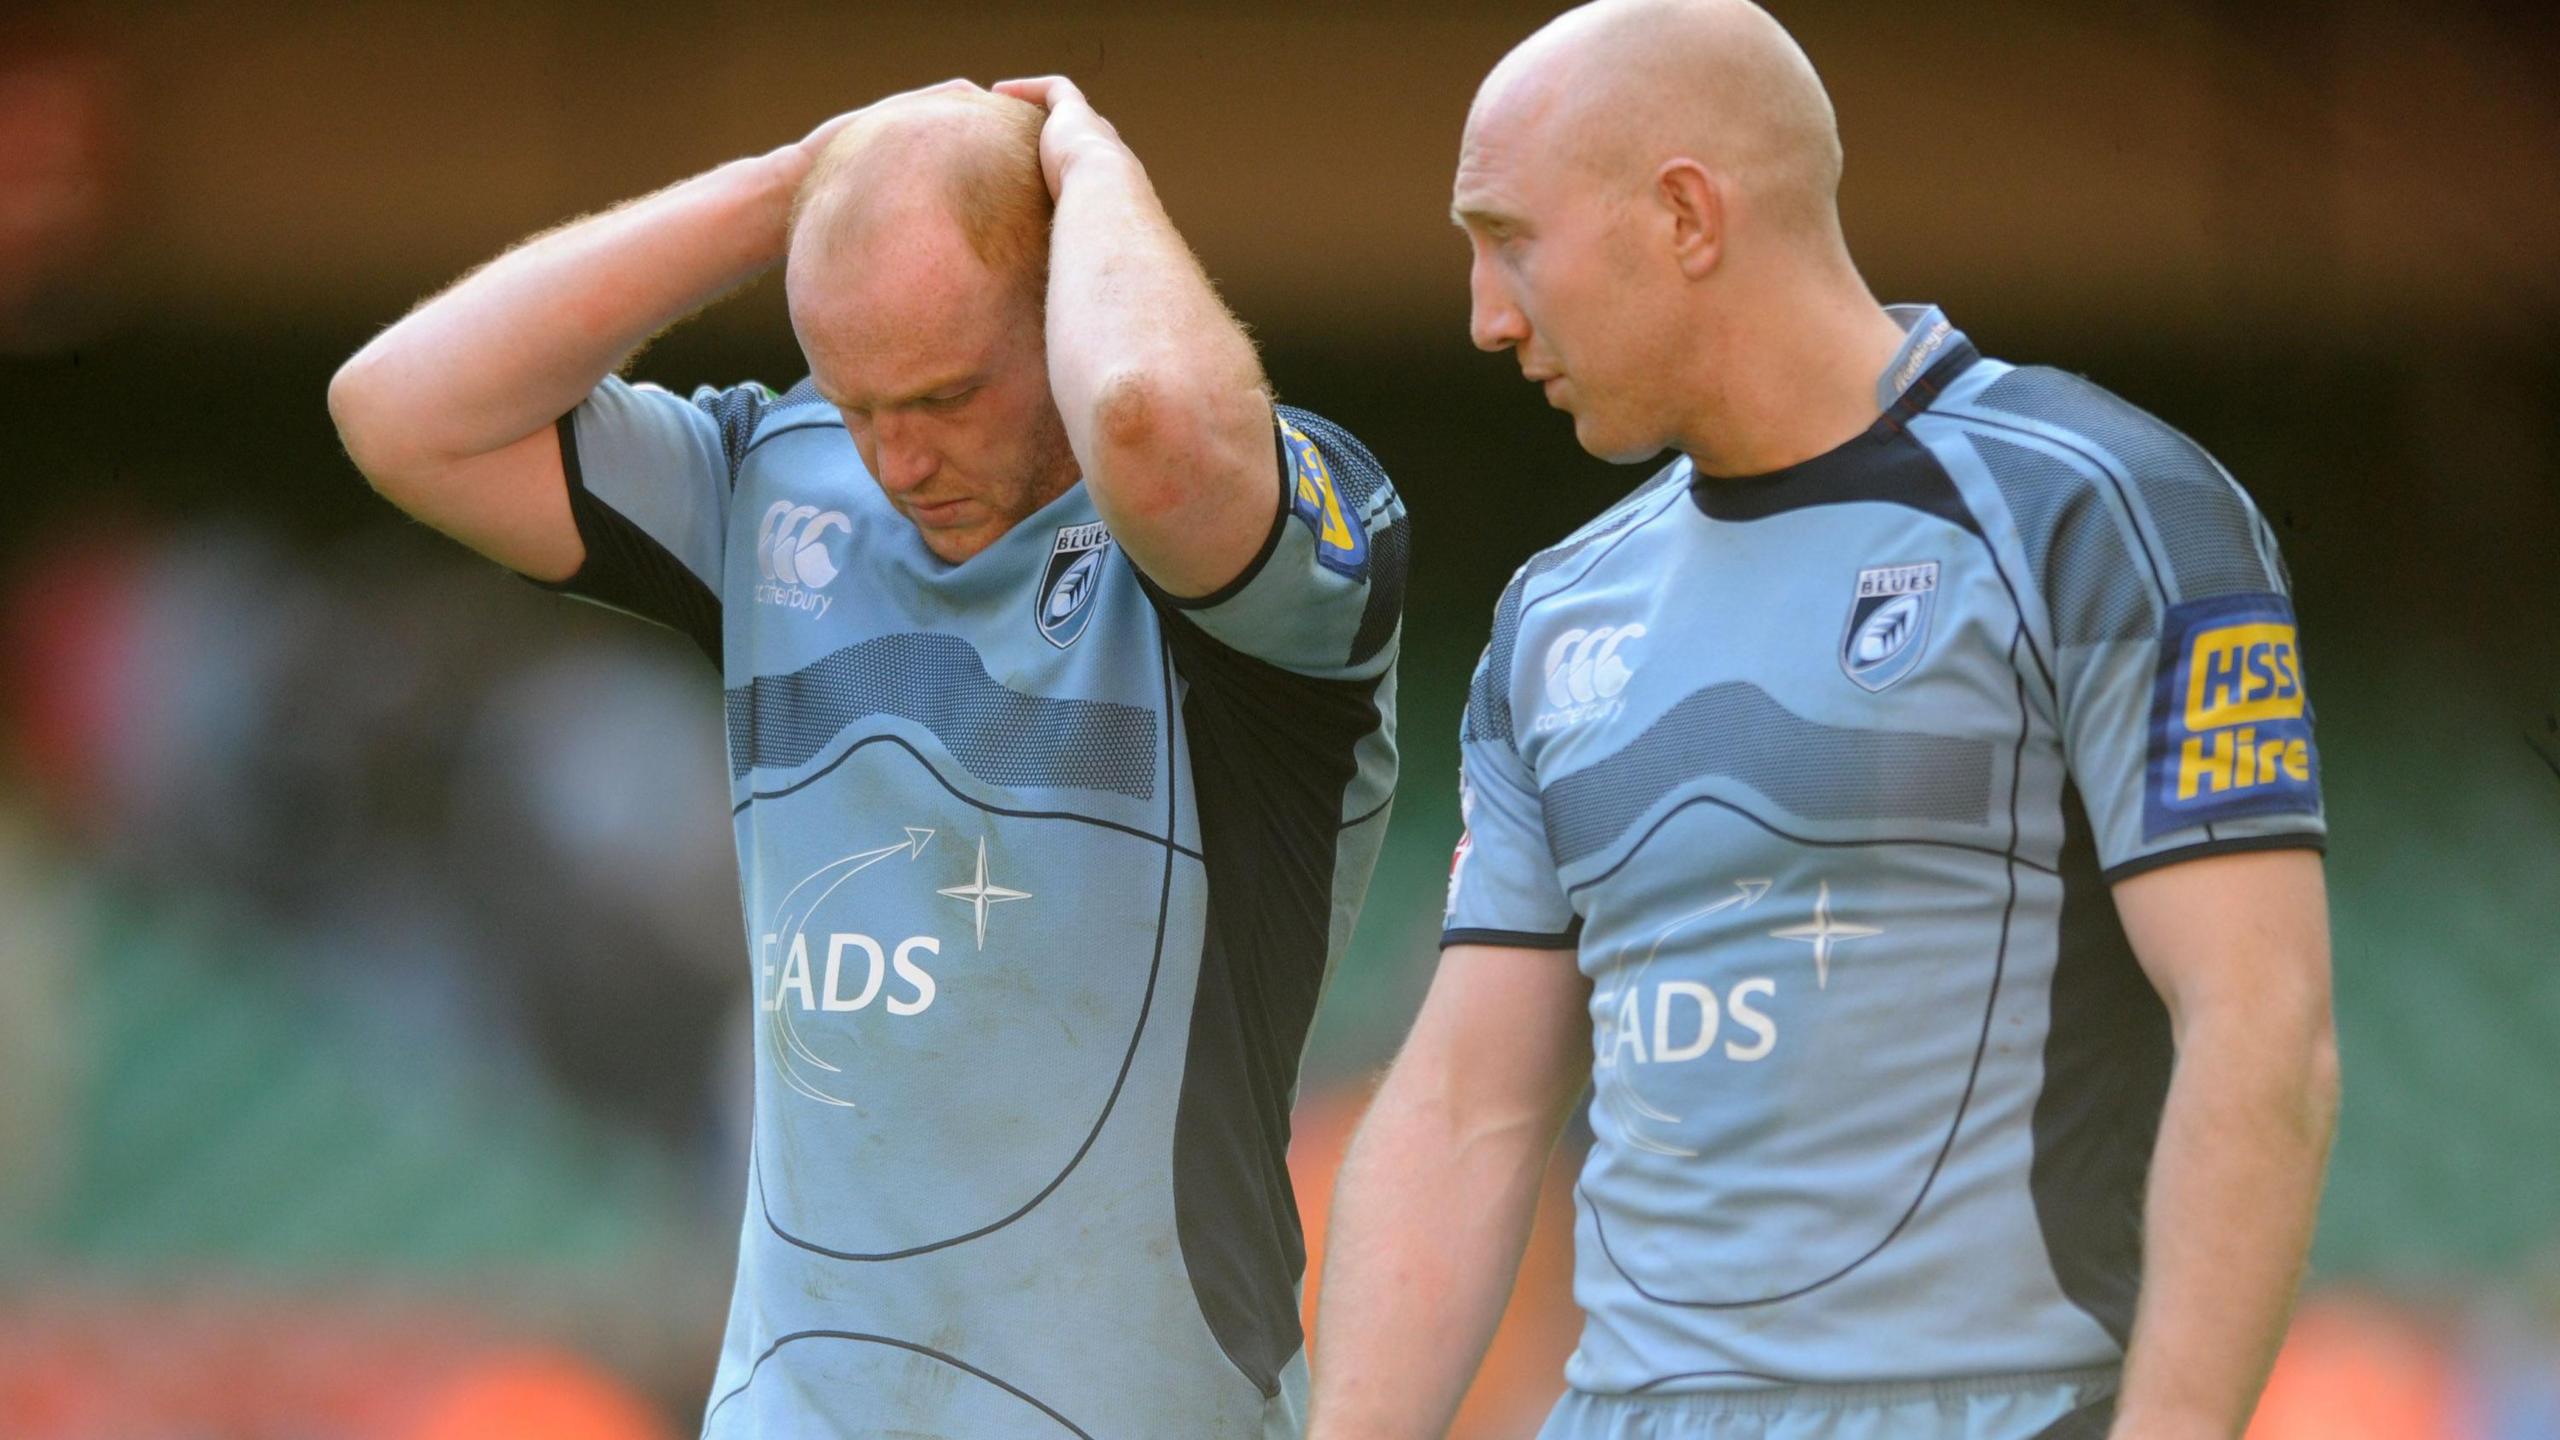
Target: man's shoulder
[(1550, 571), (2094, 425), (1356, 471), (1541, 570), (2051, 440), (752, 414)]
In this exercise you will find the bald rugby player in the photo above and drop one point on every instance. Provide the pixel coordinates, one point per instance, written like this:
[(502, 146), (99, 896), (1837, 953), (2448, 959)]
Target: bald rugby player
[(1060, 680), (1900, 811)]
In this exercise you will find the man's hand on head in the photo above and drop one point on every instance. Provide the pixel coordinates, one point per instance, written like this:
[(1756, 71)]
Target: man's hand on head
[(1074, 126)]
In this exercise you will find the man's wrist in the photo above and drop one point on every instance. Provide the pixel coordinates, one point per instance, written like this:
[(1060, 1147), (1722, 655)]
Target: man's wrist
[(2153, 1422), (766, 185), (1097, 154)]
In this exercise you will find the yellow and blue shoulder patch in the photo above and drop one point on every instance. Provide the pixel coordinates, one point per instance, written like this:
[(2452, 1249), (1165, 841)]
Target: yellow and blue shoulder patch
[(1341, 544), (2230, 719)]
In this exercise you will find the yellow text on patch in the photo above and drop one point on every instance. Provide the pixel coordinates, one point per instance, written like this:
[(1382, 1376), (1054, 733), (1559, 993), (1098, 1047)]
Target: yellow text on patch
[(2240, 674), (2234, 760), (1315, 489)]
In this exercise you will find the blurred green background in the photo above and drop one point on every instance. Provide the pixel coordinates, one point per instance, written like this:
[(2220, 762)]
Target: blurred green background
[(370, 1030)]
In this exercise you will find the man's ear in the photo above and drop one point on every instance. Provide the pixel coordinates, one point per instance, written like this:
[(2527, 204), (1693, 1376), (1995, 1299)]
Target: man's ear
[(1694, 200)]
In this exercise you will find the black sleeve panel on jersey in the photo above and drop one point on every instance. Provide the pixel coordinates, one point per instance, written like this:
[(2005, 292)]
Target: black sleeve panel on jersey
[(627, 569), (2076, 550), (1488, 713), (1361, 477), (737, 411), (2096, 1119), (2202, 534), (1273, 754), (2156, 574)]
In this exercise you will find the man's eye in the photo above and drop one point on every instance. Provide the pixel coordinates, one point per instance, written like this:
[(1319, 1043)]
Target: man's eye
[(950, 398)]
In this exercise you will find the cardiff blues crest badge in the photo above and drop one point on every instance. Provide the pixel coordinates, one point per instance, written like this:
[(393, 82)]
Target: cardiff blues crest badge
[(1072, 581), (1888, 623)]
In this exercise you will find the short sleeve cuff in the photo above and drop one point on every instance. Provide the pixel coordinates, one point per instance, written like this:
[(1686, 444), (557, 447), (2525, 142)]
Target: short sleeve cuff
[(2235, 845), (1567, 939)]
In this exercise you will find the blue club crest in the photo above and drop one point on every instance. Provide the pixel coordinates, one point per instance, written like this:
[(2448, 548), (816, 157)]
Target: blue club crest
[(1072, 581), (1888, 623)]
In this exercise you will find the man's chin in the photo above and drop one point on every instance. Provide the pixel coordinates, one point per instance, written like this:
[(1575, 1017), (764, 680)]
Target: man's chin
[(1618, 447), (952, 544)]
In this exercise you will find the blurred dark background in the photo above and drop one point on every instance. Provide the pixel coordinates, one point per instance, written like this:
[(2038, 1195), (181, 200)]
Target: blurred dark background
[(371, 1016)]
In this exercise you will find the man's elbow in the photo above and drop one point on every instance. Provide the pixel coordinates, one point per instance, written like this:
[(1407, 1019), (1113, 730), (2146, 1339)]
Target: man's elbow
[(1159, 438), (356, 412), (368, 426)]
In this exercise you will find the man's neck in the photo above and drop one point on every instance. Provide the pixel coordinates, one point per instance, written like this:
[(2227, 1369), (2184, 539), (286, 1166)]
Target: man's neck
[(1796, 380)]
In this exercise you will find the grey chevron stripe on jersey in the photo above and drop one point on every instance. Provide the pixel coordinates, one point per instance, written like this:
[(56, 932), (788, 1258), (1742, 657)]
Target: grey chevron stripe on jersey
[(1817, 771), (998, 734)]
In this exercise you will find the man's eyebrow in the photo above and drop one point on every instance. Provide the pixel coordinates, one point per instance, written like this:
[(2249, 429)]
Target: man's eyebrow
[(951, 382)]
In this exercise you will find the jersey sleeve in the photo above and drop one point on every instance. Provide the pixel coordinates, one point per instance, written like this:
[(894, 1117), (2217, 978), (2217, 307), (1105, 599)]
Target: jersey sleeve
[(1325, 595), (1503, 888), (649, 475), (2184, 707)]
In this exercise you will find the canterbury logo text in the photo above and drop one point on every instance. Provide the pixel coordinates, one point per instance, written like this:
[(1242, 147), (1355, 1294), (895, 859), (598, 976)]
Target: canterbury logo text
[(1585, 674), (792, 554)]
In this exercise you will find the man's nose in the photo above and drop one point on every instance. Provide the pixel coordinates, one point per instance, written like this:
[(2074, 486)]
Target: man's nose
[(1493, 321), (901, 458)]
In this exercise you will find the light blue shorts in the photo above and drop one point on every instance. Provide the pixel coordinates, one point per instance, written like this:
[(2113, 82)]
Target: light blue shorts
[(2055, 1405)]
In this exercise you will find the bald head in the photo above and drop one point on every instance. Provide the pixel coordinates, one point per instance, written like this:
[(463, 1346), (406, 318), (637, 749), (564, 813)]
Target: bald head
[(1650, 191), (1618, 87), (927, 168)]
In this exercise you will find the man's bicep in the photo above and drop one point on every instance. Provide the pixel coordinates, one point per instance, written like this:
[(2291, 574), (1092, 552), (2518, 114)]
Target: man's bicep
[(647, 476), (511, 505), (1509, 1028), (2247, 930), (1325, 593)]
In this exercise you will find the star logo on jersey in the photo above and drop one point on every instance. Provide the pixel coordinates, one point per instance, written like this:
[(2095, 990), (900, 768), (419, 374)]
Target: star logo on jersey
[(1064, 602), (981, 893), (1888, 623), (1824, 933)]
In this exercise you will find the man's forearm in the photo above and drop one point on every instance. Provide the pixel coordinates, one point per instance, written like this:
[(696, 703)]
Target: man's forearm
[(1125, 291), (521, 341), (2235, 1187), (1141, 350), (1427, 1230)]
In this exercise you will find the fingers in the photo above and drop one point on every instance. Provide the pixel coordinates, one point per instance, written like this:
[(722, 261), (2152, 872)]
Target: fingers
[(1046, 91)]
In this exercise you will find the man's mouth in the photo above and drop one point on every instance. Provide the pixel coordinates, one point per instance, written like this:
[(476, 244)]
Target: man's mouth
[(940, 514)]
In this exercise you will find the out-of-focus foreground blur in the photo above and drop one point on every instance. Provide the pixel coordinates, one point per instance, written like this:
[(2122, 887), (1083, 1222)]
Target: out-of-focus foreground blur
[(372, 997)]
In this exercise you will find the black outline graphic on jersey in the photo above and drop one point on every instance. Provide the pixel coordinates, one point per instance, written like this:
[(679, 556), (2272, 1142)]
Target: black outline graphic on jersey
[(1623, 1101), (793, 923)]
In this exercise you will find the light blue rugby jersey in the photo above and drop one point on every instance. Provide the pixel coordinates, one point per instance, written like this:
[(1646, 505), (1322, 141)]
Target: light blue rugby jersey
[(1043, 871), (1824, 775)]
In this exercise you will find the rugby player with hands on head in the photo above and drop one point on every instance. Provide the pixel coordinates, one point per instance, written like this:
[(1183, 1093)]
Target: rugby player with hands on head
[(1059, 664)]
